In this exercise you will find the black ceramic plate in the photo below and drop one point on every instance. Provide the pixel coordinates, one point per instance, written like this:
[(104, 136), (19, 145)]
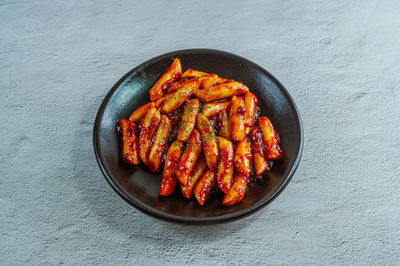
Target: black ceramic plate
[(140, 188)]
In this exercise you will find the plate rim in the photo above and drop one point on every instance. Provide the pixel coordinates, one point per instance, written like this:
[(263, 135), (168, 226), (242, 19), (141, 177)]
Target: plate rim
[(196, 220)]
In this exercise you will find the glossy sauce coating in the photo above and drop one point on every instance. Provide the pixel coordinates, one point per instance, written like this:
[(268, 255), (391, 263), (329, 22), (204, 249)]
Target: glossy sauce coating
[(224, 129), (250, 103), (208, 81), (150, 104), (194, 73), (139, 113), (161, 101), (204, 186), (260, 163), (177, 85), (172, 74), (236, 193), (225, 165), (213, 122), (209, 141), (236, 119), (243, 158), (222, 91), (222, 81), (168, 181), (175, 118), (197, 172), (150, 123), (188, 120), (212, 109), (129, 142), (159, 144), (188, 158), (179, 97), (237, 144), (271, 140)]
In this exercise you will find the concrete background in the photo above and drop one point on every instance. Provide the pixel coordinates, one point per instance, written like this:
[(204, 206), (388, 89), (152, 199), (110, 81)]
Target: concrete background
[(339, 60)]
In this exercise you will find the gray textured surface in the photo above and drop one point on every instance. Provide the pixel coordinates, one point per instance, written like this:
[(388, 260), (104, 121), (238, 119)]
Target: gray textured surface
[(339, 60)]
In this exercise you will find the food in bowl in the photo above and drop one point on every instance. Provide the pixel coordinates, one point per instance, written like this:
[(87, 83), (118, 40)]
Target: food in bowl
[(203, 132)]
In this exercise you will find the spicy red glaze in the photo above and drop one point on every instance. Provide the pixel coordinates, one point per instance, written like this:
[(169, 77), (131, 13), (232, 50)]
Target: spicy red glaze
[(188, 120), (209, 141), (243, 158), (236, 193), (159, 144), (223, 125), (256, 141), (240, 110), (191, 73), (204, 186), (222, 91), (250, 104), (236, 119), (129, 141), (260, 163), (188, 158), (220, 122), (150, 123), (270, 138), (197, 172), (172, 74), (177, 84), (208, 81), (225, 166), (212, 109), (177, 98), (226, 159), (139, 113), (213, 122), (168, 181), (176, 116), (174, 78)]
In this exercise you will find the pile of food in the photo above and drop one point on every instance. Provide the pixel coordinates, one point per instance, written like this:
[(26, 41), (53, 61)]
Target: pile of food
[(206, 132)]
